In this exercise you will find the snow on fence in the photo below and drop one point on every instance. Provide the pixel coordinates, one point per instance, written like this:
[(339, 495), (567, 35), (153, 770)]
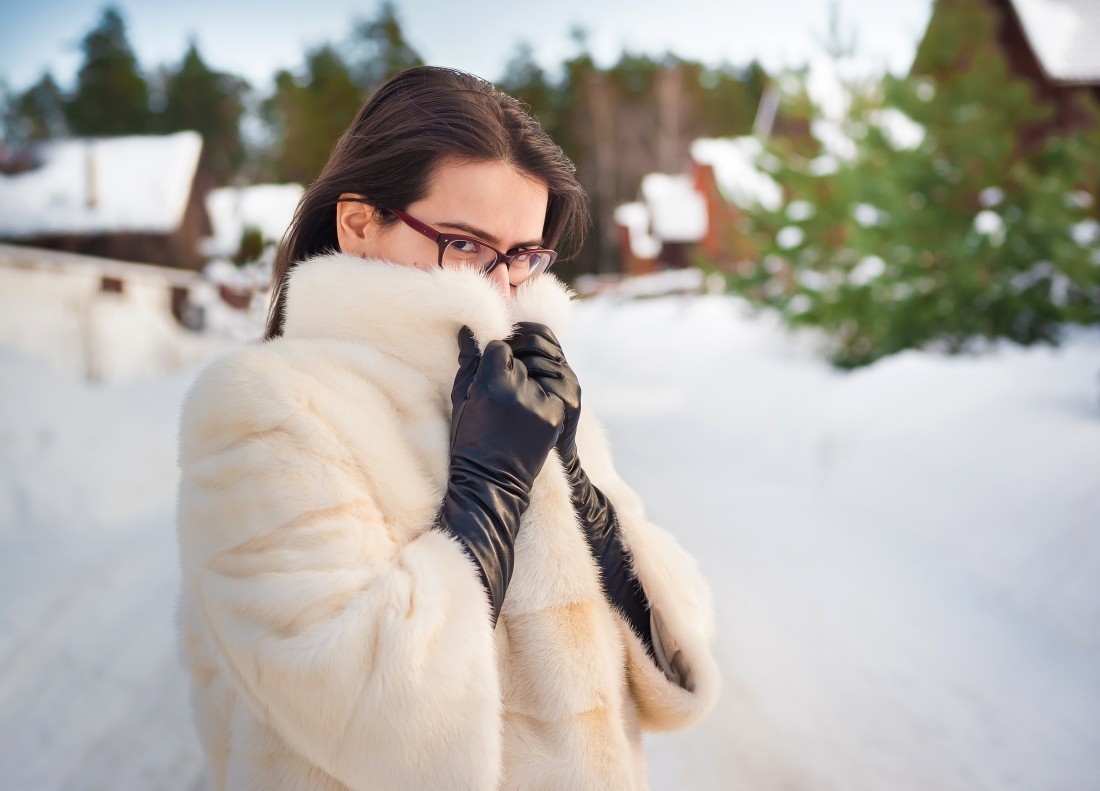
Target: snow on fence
[(105, 320)]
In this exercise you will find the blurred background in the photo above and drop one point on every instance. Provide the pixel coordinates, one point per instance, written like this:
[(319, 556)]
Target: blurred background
[(858, 242)]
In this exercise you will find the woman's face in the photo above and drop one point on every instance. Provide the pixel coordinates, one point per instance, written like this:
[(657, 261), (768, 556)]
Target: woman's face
[(491, 201)]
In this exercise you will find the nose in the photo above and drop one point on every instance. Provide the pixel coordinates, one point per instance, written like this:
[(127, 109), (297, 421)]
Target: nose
[(499, 276)]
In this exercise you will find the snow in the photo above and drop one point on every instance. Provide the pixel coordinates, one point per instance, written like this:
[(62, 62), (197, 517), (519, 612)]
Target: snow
[(990, 224), (812, 280), (823, 165), (835, 136), (902, 131), (635, 218), (1080, 199), (799, 210), (677, 211), (669, 281), (867, 215), (868, 268), (905, 559), (266, 207), (1085, 232), (737, 169), (834, 139), (991, 196), (138, 184), (789, 236), (52, 307), (1063, 35), (1043, 270)]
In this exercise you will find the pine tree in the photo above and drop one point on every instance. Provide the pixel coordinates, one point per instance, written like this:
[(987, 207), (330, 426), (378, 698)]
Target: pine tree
[(528, 82), (112, 97), (37, 114), (211, 103), (309, 115), (379, 49), (724, 99), (962, 232)]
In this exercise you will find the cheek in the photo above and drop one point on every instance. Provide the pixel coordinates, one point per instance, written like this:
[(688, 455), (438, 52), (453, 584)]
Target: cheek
[(401, 249)]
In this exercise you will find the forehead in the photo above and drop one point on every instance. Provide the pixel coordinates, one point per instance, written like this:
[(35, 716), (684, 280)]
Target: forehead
[(491, 196)]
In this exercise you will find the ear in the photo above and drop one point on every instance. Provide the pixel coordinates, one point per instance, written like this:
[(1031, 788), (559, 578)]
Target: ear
[(354, 225)]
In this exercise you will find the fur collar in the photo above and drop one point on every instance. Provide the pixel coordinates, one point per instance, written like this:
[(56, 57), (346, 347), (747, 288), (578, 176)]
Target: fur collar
[(413, 314)]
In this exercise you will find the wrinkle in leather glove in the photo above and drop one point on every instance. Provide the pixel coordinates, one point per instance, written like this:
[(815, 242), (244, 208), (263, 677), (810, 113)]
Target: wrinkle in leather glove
[(537, 346), (503, 426)]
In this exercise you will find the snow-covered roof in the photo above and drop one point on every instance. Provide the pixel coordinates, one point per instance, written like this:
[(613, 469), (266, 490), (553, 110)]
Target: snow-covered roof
[(635, 218), (678, 213), (267, 207), (135, 184), (736, 169), (1064, 36)]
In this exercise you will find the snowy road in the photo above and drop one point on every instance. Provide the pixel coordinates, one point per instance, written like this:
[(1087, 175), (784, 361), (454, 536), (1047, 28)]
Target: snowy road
[(905, 561)]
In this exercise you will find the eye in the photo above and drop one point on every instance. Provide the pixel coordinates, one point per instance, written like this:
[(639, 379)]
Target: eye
[(465, 247), (533, 257)]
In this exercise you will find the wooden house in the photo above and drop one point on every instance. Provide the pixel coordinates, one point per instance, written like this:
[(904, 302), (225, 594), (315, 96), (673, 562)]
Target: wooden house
[(699, 212), (1053, 45), (134, 198), (661, 229)]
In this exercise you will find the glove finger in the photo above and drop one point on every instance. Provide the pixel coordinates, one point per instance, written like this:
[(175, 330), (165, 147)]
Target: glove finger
[(552, 386), (540, 355), (532, 328), (540, 365), (527, 345), (496, 361), (469, 359), (468, 353)]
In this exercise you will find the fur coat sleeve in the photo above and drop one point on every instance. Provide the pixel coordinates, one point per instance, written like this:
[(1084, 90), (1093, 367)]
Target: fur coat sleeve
[(681, 687), (339, 626)]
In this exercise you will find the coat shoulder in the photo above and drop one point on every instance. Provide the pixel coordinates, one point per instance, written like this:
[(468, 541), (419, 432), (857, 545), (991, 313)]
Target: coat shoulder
[(245, 392)]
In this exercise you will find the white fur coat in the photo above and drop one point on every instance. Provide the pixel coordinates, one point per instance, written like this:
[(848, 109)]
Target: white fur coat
[(334, 640)]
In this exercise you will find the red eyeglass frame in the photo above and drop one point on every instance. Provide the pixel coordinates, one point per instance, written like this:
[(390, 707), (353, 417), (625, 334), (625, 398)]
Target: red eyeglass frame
[(445, 239)]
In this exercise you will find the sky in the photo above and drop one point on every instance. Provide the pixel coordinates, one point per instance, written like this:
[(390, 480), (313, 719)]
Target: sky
[(254, 39)]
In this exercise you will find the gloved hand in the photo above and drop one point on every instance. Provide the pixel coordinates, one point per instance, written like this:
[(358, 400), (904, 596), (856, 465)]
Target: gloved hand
[(538, 348), (503, 426), (540, 351)]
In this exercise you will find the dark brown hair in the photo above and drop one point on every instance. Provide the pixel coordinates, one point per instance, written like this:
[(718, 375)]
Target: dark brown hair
[(413, 122)]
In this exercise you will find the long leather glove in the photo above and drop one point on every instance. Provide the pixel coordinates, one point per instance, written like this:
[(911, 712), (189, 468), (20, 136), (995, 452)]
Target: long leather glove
[(503, 426), (538, 348)]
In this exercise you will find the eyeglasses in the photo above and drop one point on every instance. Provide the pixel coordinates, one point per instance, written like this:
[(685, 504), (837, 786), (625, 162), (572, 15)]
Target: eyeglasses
[(459, 251)]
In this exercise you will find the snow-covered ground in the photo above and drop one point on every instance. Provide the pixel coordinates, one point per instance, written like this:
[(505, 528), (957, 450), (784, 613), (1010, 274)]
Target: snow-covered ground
[(905, 559)]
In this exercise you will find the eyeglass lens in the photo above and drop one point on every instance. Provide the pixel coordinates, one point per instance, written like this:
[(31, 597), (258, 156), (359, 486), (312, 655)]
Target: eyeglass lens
[(525, 265)]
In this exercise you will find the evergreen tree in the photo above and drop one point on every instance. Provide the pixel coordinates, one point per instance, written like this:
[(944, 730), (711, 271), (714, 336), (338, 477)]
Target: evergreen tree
[(379, 49), (211, 103), (722, 100), (639, 116), (112, 97), (526, 80), (959, 232), (307, 116), (37, 114)]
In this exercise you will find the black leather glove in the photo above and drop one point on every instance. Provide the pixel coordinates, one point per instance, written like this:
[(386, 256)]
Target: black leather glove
[(503, 426), (538, 348)]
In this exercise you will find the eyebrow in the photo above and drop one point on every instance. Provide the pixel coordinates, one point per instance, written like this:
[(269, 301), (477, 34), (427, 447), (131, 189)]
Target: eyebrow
[(485, 235)]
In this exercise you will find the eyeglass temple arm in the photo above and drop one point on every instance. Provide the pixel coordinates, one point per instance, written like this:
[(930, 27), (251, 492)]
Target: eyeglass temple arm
[(416, 225)]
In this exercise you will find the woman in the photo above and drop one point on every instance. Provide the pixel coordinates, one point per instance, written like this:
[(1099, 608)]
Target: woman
[(408, 561)]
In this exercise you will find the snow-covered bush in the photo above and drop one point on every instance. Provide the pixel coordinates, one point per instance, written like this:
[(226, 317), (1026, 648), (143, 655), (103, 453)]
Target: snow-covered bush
[(943, 215)]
